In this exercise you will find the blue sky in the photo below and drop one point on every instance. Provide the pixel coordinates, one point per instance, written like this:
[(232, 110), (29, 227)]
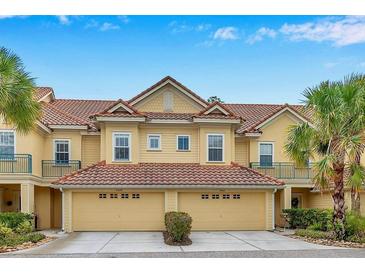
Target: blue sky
[(242, 59)]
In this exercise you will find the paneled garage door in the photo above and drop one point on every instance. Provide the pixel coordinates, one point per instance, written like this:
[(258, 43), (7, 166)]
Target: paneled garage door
[(225, 211), (105, 211)]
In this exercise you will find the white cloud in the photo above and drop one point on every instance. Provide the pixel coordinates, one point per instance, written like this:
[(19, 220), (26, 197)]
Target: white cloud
[(64, 20), (124, 18), (341, 31), (181, 27), (108, 26), (203, 27), (6, 16), (92, 24), (226, 33), (261, 34)]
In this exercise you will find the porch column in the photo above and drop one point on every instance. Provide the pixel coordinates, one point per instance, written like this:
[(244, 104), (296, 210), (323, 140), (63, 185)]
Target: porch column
[(286, 198), (1, 199), (27, 198)]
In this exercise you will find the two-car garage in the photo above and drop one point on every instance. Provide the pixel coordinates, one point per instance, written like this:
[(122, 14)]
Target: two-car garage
[(144, 211)]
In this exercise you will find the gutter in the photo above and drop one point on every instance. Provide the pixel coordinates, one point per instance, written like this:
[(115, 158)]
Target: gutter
[(108, 186)]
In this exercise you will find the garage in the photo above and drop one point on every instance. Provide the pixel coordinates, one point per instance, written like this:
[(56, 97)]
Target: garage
[(225, 211), (109, 211)]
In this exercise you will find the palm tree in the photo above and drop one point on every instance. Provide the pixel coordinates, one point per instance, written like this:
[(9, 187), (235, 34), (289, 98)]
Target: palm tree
[(17, 105), (336, 136)]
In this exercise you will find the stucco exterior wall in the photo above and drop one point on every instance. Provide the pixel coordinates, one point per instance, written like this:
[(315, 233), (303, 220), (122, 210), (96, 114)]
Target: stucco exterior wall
[(90, 152), (75, 142), (242, 151)]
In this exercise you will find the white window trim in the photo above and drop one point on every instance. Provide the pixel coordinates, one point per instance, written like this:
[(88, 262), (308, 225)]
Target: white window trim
[(273, 150), (159, 144), (223, 145), (14, 132), (69, 147), (129, 142), (177, 142)]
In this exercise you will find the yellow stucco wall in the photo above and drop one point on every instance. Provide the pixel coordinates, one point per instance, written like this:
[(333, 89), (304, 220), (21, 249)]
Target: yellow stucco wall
[(169, 152), (43, 206), (171, 200), (155, 102), (275, 132), (242, 151), (318, 200), (90, 152), (75, 141)]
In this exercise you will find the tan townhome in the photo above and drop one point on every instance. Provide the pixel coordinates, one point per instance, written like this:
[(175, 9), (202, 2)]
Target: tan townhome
[(99, 165)]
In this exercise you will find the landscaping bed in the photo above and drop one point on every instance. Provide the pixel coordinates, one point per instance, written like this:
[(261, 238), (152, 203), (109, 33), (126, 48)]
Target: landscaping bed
[(170, 240), (17, 232), (315, 226)]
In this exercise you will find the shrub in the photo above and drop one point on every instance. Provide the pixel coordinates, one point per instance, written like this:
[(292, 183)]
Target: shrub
[(24, 228), (355, 226), (315, 234), (35, 237), (5, 231), (178, 225), (14, 219), (18, 239), (304, 217)]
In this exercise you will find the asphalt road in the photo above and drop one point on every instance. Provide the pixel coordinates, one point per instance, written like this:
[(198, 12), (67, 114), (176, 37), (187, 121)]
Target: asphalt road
[(328, 253)]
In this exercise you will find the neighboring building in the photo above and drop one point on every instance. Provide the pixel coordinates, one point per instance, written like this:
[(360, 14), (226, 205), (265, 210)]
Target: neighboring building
[(93, 165)]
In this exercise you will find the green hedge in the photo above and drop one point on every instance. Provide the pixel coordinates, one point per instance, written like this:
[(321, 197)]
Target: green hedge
[(320, 219), (17, 239), (178, 225), (315, 234), (15, 219)]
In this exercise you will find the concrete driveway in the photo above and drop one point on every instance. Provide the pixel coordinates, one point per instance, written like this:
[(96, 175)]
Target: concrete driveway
[(132, 242)]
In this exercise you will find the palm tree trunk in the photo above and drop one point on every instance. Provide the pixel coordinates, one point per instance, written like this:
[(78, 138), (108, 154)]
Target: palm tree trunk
[(355, 197), (339, 201)]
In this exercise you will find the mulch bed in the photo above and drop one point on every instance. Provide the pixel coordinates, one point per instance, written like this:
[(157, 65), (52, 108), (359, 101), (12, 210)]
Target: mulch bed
[(329, 242), (169, 241), (4, 249)]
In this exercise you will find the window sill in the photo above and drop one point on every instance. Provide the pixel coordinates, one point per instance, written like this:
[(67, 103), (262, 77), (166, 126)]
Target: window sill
[(265, 167), (154, 150), (180, 150), (215, 162), (121, 161)]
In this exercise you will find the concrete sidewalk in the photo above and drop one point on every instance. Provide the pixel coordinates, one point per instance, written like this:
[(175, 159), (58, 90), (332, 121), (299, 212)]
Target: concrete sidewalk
[(152, 242)]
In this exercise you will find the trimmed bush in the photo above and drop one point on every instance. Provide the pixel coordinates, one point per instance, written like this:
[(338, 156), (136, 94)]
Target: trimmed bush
[(5, 231), (23, 228), (14, 219), (178, 225), (304, 217), (315, 234), (18, 239), (355, 226)]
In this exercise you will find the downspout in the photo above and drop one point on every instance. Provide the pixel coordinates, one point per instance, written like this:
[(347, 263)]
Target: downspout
[(273, 208), (63, 210)]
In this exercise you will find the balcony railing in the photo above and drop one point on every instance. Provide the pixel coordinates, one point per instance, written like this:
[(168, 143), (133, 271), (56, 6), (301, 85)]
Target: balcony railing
[(52, 168), (283, 170), (16, 163)]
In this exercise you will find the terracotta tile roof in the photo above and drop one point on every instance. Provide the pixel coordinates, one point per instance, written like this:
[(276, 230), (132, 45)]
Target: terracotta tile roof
[(167, 174), (175, 82), (40, 92), (169, 115), (255, 114), (53, 116)]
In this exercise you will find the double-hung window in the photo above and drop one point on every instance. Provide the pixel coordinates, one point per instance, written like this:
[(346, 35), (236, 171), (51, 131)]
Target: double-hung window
[(7, 143), (266, 154), (62, 151), (154, 141), (215, 147), (183, 142), (121, 146)]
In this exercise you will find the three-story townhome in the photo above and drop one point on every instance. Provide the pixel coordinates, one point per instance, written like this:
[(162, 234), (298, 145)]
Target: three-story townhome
[(98, 165)]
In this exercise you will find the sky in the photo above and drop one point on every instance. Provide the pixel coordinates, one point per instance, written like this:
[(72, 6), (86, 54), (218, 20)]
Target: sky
[(241, 59)]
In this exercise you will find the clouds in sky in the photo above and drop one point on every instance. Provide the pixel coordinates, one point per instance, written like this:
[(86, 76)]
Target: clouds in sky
[(64, 20), (339, 31), (176, 27), (260, 34), (226, 33)]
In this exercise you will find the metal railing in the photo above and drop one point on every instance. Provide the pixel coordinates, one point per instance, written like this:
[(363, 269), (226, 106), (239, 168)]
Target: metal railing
[(53, 168), (16, 163), (284, 170)]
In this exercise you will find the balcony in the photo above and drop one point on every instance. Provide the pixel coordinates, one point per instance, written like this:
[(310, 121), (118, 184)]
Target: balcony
[(16, 163), (52, 168), (284, 170)]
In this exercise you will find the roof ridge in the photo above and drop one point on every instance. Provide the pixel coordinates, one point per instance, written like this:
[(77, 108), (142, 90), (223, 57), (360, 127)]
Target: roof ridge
[(85, 100)]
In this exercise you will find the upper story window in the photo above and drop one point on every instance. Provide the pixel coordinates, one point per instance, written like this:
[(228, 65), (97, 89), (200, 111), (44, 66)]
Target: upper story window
[(121, 146), (62, 151), (154, 141), (7, 142), (266, 154), (168, 101), (183, 142), (215, 147)]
